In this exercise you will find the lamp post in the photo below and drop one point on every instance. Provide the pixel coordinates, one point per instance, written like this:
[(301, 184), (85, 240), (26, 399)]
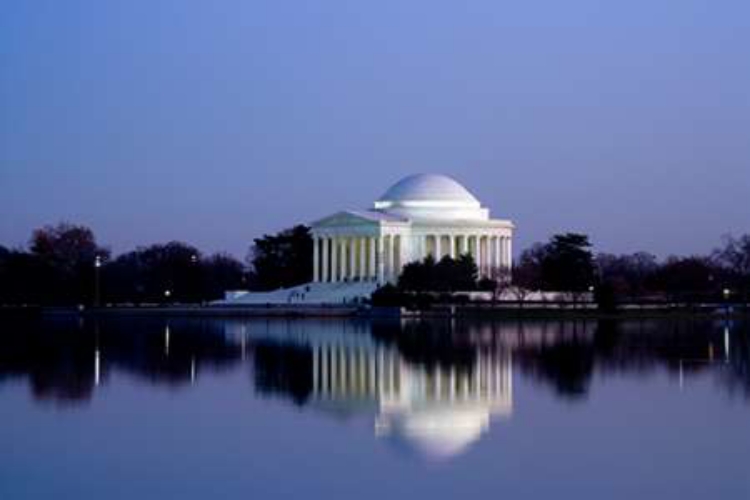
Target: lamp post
[(193, 286), (726, 293), (97, 270)]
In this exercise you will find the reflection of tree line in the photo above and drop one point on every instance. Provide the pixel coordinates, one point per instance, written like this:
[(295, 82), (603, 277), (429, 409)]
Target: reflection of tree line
[(686, 346), (58, 356), (283, 369)]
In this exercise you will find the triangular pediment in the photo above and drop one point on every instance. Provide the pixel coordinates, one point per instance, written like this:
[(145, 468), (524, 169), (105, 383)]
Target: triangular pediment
[(346, 218)]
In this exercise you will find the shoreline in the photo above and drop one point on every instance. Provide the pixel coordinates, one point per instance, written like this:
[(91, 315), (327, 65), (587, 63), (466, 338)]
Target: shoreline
[(486, 311)]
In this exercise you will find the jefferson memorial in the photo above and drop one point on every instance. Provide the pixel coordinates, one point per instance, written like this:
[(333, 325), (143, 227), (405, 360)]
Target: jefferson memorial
[(422, 215)]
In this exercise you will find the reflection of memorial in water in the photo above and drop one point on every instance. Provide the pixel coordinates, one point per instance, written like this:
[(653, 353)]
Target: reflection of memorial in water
[(437, 410)]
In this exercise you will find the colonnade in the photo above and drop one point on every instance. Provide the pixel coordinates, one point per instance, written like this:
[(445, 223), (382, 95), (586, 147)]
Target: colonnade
[(490, 252), (356, 258), (380, 258)]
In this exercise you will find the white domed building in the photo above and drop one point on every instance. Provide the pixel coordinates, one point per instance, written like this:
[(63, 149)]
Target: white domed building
[(355, 251), (421, 215)]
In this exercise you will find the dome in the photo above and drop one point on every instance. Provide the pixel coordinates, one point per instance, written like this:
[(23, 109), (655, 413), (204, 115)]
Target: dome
[(431, 197), (437, 433), (429, 187)]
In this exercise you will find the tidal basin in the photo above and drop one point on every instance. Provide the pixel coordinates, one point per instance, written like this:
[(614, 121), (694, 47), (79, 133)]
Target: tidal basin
[(221, 408)]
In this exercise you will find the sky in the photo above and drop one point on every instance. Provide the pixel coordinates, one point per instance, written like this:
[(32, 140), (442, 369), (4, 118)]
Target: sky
[(216, 122)]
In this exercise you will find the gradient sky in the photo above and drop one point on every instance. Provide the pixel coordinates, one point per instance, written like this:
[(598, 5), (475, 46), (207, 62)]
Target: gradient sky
[(214, 122)]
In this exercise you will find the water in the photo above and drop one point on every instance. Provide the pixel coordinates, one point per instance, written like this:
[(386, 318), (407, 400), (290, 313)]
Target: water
[(189, 408)]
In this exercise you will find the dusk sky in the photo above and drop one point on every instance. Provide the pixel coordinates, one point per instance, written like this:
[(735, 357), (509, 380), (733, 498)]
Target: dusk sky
[(215, 122)]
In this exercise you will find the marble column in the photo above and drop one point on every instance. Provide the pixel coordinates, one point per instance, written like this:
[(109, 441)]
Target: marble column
[(487, 256), (452, 243), (464, 244), (342, 259), (496, 252), (347, 258), (361, 271), (316, 259), (490, 255), (501, 249), (352, 244), (372, 272), (380, 264), (326, 242), (480, 257), (491, 261), (334, 259), (503, 255), (438, 249), (389, 262), (494, 261), (396, 245)]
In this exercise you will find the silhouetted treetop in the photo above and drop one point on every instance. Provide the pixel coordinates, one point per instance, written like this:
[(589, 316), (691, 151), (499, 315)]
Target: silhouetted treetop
[(282, 260), (444, 276), (66, 246)]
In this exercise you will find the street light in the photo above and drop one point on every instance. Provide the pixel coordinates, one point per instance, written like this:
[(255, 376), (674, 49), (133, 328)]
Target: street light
[(193, 288), (726, 293), (97, 268)]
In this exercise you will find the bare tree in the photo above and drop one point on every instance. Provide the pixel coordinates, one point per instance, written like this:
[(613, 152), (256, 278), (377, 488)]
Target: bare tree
[(734, 256), (501, 277)]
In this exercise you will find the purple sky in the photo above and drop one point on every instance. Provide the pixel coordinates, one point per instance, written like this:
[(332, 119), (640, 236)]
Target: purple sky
[(213, 122)]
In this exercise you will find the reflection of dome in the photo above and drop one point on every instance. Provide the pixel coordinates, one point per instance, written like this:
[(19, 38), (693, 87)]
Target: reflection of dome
[(436, 433), (431, 196)]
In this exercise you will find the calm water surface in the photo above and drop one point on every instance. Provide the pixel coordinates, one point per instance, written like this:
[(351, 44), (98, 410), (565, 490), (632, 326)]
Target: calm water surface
[(155, 408)]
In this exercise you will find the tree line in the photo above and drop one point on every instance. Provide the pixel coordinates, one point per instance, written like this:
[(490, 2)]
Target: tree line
[(568, 263), (64, 264)]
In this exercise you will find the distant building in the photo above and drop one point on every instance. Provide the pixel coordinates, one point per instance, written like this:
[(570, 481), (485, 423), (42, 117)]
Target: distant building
[(421, 215)]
